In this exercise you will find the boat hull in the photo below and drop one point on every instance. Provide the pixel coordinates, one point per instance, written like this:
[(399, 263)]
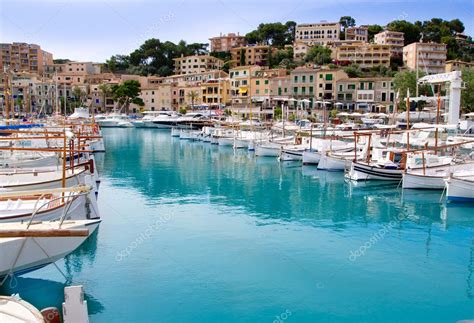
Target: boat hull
[(39, 252), (362, 172), (311, 157), (415, 181), (459, 190)]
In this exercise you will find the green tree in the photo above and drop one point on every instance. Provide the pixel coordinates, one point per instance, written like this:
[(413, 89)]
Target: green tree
[(407, 80), (275, 34), (346, 22), (319, 55), (467, 94), (277, 113), (105, 92), (193, 95), (412, 32), (353, 71), (79, 96), (127, 93), (242, 57), (373, 30)]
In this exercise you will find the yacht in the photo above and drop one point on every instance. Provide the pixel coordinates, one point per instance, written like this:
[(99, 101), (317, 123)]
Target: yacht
[(113, 120)]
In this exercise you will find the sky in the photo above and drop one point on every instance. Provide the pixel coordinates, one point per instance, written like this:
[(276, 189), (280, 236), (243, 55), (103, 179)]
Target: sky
[(94, 30)]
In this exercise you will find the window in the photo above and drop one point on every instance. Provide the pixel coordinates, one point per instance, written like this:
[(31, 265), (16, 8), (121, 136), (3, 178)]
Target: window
[(303, 90), (303, 79), (266, 81), (266, 90), (152, 92), (257, 82), (311, 78), (340, 96), (384, 84), (341, 87), (295, 90), (320, 76), (361, 85), (311, 90), (296, 79), (370, 85), (257, 91), (349, 96), (152, 100), (328, 77)]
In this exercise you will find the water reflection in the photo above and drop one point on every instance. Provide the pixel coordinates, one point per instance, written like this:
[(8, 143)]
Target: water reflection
[(159, 166)]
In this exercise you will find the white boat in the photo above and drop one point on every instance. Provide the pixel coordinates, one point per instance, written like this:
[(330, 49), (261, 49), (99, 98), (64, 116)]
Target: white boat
[(186, 134), (434, 178), (77, 202), (335, 162), (225, 141), (15, 310), (20, 255), (112, 120), (311, 157), (460, 188), (163, 120), (125, 124), (19, 179)]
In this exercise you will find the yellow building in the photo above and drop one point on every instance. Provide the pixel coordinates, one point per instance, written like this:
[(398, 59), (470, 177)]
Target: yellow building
[(216, 93), (362, 54), (455, 65)]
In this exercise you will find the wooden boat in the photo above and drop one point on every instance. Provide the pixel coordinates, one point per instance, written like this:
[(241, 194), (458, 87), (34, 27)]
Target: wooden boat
[(25, 248), (460, 188), (434, 178), (76, 202)]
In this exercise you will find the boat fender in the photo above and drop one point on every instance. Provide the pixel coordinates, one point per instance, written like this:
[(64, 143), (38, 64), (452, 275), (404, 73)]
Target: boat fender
[(51, 315)]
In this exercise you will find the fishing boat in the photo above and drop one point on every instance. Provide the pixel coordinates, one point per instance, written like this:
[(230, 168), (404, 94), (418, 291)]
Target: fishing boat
[(77, 202), (20, 179), (434, 178), (27, 247), (460, 188), (14, 309)]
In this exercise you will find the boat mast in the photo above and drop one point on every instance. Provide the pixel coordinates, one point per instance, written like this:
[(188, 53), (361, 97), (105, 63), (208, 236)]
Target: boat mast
[(437, 118), (408, 119)]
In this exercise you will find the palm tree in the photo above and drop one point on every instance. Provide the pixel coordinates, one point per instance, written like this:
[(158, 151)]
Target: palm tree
[(106, 92), (193, 96)]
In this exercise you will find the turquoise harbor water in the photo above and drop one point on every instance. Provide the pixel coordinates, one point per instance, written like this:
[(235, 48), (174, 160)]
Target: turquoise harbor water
[(198, 233)]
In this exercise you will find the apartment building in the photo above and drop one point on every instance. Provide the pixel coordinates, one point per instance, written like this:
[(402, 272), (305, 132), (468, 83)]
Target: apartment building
[(23, 57), (251, 55), (374, 94), (157, 97), (317, 33), (360, 33), (303, 84), (455, 65), (395, 39), (224, 43), (363, 54), (429, 58), (326, 80), (196, 64), (216, 93)]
